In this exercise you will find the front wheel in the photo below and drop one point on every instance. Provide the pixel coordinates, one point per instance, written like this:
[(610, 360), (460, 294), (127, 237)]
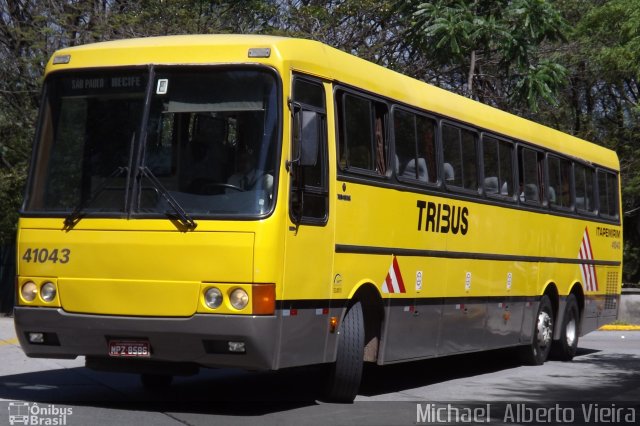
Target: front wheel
[(565, 348), (537, 352), (345, 374)]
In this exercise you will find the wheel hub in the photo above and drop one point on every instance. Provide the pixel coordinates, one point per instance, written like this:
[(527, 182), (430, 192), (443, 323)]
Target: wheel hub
[(570, 332), (545, 331)]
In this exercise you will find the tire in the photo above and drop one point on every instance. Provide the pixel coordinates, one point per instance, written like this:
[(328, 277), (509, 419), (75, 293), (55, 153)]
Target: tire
[(565, 348), (156, 381), (538, 351), (346, 372)]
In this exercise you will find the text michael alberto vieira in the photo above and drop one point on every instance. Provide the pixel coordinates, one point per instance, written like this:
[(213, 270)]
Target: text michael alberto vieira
[(522, 413)]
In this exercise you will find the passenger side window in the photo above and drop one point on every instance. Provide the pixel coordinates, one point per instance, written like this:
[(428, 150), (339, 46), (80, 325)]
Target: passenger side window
[(415, 147), (530, 175), (559, 192), (309, 183), (584, 181), (498, 167), (362, 138), (460, 158), (608, 193)]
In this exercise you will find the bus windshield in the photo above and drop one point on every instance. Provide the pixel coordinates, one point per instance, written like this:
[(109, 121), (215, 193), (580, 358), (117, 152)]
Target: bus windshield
[(138, 142)]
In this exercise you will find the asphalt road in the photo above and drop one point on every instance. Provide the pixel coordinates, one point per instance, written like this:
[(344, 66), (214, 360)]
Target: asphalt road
[(603, 380)]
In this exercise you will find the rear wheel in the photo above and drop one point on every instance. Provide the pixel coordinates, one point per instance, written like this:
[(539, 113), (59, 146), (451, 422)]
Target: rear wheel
[(565, 348), (537, 352), (156, 381), (345, 374)]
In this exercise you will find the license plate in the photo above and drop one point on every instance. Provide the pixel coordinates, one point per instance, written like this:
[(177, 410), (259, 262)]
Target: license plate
[(129, 349)]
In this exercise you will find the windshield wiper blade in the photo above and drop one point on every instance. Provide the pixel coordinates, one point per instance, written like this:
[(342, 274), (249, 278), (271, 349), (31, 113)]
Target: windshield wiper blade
[(184, 217), (75, 216)]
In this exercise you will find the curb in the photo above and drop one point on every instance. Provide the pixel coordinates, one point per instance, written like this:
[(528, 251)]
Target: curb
[(13, 341), (629, 327)]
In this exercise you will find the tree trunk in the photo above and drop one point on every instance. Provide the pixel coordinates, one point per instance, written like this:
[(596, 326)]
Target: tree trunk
[(472, 71)]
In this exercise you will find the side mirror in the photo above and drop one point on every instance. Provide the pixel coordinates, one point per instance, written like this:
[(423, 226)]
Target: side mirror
[(307, 136)]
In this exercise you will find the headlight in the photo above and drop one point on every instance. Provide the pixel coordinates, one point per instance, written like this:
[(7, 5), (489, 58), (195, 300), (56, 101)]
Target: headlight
[(213, 297), (29, 291), (48, 291), (239, 298)]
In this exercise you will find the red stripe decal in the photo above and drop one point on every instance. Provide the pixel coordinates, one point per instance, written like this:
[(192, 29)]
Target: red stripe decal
[(396, 269), (389, 284)]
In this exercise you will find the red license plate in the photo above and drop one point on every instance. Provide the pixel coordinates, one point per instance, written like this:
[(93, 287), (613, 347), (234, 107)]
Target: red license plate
[(129, 349)]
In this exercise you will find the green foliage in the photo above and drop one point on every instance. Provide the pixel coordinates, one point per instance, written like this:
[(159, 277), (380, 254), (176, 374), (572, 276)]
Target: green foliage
[(613, 33), (495, 46), (450, 27), (541, 81), (11, 190), (371, 29), (152, 18)]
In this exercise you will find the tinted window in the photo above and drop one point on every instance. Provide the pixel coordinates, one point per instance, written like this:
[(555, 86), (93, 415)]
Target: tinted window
[(89, 124), (559, 191), (498, 167), (362, 134), (306, 92), (211, 142), (584, 178), (460, 158), (530, 179), (608, 193), (212, 138), (415, 146), (309, 184)]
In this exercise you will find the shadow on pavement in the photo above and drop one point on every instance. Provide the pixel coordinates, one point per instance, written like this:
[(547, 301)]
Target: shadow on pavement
[(239, 393)]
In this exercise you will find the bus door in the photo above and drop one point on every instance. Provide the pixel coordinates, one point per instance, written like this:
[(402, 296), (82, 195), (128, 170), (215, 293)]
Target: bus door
[(309, 233)]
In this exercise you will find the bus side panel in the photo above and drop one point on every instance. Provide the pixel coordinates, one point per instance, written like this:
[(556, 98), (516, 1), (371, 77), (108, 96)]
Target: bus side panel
[(465, 311), (504, 322), (412, 329), (412, 324), (505, 311), (463, 327)]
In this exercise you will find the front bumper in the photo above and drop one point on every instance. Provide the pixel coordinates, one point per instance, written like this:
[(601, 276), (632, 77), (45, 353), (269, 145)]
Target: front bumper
[(199, 339)]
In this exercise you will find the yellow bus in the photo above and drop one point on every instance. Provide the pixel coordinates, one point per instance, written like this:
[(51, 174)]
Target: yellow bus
[(264, 202)]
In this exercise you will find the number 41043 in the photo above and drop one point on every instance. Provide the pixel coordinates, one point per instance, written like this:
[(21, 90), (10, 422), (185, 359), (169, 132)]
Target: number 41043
[(43, 255)]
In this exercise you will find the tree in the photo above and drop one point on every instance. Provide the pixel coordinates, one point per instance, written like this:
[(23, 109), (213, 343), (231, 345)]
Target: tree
[(493, 50)]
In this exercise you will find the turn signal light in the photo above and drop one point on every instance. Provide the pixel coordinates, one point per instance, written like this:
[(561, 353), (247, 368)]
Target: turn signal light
[(263, 299), (333, 324)]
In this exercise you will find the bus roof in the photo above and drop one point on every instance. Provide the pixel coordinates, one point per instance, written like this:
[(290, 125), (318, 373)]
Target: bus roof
[(332, 64)]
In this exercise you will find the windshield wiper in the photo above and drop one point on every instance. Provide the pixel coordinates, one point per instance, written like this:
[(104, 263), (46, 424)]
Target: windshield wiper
[(184, 217), (75, 216)]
